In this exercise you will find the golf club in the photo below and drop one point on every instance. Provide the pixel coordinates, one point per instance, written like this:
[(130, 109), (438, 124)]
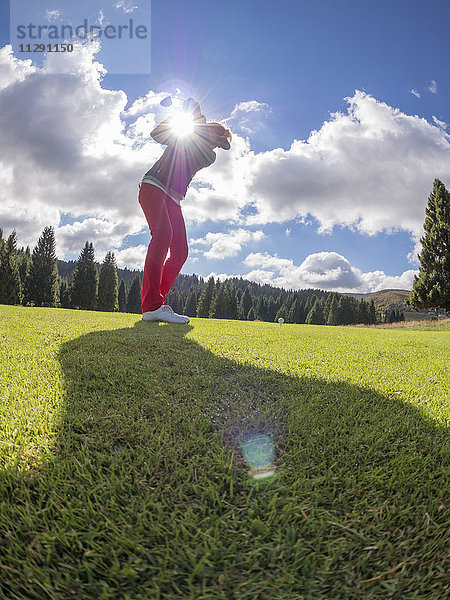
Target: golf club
[(188, 103)]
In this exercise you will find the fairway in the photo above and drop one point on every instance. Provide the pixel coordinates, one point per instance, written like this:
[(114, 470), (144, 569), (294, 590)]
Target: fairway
[(221, 459)]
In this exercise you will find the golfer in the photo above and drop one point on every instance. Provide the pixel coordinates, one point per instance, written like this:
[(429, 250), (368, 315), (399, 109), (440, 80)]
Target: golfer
[(161, 191)]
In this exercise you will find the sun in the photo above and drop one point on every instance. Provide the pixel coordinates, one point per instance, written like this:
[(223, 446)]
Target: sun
[(182, 124)]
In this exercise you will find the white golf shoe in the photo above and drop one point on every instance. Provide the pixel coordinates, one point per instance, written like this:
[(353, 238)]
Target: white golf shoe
[(164, 313)]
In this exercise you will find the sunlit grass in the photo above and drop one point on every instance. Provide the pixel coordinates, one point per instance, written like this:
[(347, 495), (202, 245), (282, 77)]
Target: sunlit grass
[(221, 459)]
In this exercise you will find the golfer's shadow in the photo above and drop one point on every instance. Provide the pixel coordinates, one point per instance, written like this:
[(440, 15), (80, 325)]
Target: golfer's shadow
[(154, 431)]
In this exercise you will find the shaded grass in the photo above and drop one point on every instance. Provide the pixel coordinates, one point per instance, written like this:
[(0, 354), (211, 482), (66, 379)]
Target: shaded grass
[(123, 475)]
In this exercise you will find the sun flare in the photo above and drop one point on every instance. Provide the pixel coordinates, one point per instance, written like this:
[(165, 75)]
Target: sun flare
[(182, 124)]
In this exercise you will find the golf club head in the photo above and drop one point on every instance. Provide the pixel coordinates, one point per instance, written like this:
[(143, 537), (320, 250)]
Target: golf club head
[(189, 104), (166, 102)]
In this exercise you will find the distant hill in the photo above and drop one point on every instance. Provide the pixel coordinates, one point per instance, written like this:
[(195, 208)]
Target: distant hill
[(386, 299)]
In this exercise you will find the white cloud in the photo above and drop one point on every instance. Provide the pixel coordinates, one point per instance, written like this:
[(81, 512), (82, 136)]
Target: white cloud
[(370, 169), (251, 106), (66, 133), (219, 276), (225, 245), (12, 69), (132, 258), (126, 6), (101, 20), (72, 237), (433, 87), (415, 93), (218, 193), (322, 270), (247, 118), (84, 153), (441, 124), (52, 15), (378, 280)]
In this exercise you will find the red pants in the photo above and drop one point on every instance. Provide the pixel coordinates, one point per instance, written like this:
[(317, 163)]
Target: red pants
[(165, 219)]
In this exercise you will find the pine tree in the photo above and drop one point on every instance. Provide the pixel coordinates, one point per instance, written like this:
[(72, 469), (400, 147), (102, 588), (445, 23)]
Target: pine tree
[(261, 309), (288, 302), (282, 313), (363, 312), (231, 310), (295, 313), (24, 269), (333, 312), (10, 285), (180, 301), (135, 296), (245, 303), (271, 310), (315, 315), (218, 303), (64, 296), (122, 297), (174, 300), (204, 302), (372, 313), (431, 288), (190, 307), (108, 284), (327, 306), (345, 313), (251, 314), (42, 285), (291, 315), (308, 305), (84, 282)]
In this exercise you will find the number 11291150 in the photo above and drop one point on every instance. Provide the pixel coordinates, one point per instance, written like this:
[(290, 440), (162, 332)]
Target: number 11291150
[(45, 47)]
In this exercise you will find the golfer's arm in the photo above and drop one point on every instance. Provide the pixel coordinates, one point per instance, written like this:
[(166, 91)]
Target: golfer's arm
[(197, 115), (162, 132)]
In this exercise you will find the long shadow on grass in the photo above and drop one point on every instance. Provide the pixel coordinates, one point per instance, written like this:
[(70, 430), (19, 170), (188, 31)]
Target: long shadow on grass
[(148, 494)]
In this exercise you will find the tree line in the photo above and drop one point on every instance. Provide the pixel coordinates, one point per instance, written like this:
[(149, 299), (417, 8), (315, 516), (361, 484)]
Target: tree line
[(39, 279), (34, 279)]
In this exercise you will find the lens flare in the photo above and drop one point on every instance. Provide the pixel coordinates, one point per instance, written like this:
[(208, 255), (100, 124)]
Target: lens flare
[(182, 124), (258, 451)]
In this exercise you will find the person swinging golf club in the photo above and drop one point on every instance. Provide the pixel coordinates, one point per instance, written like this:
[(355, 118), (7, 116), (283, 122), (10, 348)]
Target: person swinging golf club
[(190, 142)]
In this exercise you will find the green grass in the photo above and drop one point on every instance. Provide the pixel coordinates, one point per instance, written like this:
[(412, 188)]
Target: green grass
[(124, 476)]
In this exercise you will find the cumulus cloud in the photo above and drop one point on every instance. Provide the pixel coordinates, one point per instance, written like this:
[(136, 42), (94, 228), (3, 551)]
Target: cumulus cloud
[(219, 193), (247, 118), (83, 151), (414, 93), (12, 69), (225, 245), (370, 169), (72, 237), (66, 134), (322, 270), (132, 257)]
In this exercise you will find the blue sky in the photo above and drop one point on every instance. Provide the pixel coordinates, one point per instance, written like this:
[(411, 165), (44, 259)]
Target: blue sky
[(340, 115)]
